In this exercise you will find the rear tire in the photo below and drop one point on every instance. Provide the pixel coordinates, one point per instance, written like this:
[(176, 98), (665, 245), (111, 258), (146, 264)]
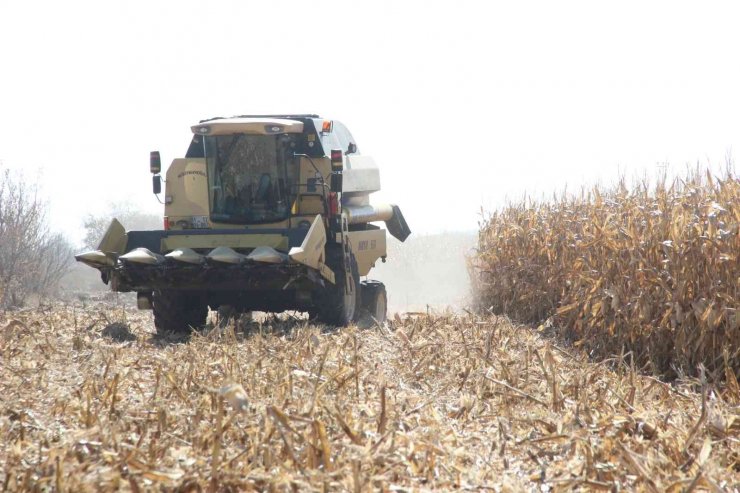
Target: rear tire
[(336, 306), (178, 312), (374, 308)]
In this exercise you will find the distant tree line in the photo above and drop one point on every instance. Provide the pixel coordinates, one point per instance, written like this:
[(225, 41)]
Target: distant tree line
[(33, 259), (131, 218)]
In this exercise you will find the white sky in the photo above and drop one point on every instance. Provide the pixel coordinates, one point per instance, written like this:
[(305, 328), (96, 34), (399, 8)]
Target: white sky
[(462, 103)]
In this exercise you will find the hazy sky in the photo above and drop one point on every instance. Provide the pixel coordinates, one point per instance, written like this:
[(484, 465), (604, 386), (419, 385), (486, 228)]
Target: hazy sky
[(462, 103)]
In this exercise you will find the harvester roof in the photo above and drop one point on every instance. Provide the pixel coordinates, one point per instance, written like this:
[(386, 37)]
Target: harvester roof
[(248, 125), (337, 136), (287, 116)]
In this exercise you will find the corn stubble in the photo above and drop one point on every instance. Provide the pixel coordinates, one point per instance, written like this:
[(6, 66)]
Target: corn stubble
[(427, 403), (652, 271)]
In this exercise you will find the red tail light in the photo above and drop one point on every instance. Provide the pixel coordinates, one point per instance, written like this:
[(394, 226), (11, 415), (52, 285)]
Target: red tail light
[(333, 204), (166, 223), (337, 163)]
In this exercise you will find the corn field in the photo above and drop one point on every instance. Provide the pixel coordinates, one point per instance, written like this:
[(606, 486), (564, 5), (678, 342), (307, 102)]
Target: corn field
[(649, 271)]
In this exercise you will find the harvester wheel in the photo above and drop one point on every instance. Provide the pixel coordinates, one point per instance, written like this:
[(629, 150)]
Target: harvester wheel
[(374, 303), (177, 312), (337, 307)]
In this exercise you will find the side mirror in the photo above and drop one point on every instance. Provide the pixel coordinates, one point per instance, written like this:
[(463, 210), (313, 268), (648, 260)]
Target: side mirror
[(351, 148), (155, 164), (156, 184), (336, 182)]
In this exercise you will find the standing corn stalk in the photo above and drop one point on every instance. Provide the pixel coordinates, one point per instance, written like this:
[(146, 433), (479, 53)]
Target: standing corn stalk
[(650, 269)]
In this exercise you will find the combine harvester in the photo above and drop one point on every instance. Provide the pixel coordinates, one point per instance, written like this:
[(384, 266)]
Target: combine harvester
[(266, 213)]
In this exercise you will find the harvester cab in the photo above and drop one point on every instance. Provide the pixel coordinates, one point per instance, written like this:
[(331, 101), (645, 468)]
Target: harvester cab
[(264, 212)]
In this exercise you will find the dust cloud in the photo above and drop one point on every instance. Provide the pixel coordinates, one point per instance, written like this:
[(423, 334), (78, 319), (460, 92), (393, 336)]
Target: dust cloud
[(427, 272)]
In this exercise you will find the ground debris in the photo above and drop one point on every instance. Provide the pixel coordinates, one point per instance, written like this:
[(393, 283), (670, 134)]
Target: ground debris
[(425, 403), (118, 331)]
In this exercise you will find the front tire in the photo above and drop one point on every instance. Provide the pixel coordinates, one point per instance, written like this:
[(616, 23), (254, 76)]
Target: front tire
[(178, 312)]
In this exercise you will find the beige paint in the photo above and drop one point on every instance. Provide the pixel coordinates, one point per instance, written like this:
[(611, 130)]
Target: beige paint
[(277, 225), (277, 241), (114, 240), (309, 204), (323, 165), (368, 246), (186, 189), (312, 251)]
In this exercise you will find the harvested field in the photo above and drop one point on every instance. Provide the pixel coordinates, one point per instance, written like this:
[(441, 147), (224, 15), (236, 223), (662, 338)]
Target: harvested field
[(651, 270), (91, 401)]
